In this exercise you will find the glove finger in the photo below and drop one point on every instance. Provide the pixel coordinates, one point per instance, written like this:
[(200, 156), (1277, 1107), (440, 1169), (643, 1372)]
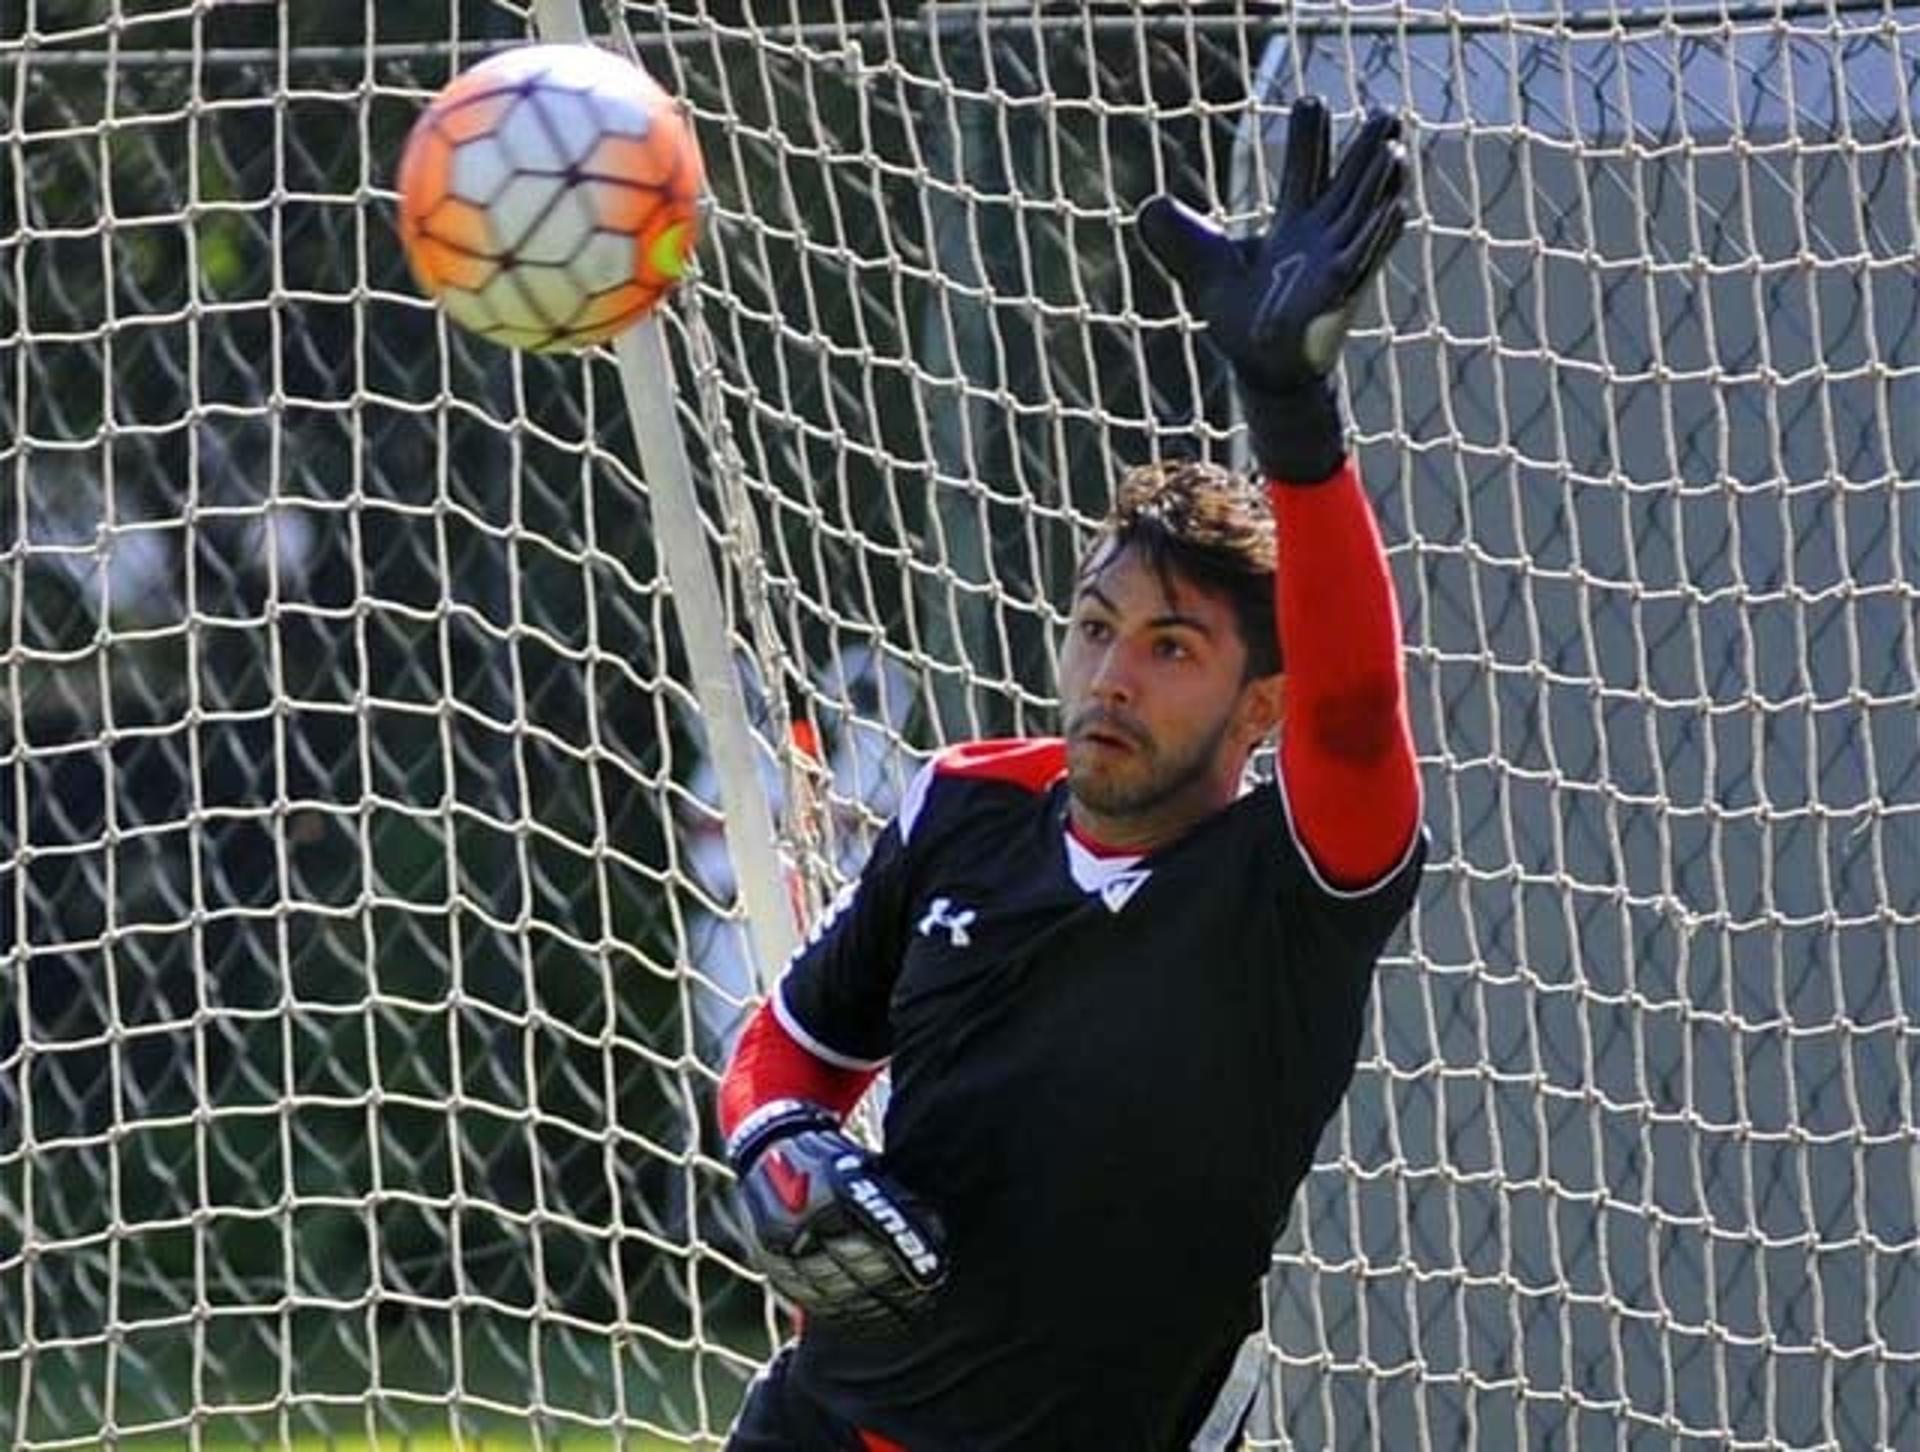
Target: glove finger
[(861, 1260), (795, 1285), (877, 1291), (1364, 154), (1304, 176), (819, 1285), (1362, 257), (1187, 245), (1376, 189)]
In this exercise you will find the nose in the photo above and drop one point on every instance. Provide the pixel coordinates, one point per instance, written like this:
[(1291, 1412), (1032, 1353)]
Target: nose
[(1112, 679)]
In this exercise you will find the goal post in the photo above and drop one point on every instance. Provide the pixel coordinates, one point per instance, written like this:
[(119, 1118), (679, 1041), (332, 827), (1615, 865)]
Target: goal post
[(746, 817), (371, 930)]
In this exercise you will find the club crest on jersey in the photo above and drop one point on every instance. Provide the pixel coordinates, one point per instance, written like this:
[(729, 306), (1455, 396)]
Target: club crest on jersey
[(942, 912), (1117, 891)]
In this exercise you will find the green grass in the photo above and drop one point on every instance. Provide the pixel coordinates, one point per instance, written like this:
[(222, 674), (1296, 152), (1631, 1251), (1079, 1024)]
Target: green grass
[(331, 1408), (498, 1440), (380, 1426)]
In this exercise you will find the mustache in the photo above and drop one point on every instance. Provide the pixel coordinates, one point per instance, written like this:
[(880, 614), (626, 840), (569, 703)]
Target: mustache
[(1113, 723)]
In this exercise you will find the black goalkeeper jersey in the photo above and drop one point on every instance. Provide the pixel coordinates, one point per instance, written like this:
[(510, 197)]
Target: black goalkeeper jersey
[(1108, 1078)]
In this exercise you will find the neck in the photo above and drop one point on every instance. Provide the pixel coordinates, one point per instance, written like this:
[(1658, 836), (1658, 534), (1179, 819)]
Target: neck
[(1154, 827), (1095, 845), (1115, 835)]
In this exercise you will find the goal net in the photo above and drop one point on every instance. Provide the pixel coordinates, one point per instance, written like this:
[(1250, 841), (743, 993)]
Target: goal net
[(368, 945)]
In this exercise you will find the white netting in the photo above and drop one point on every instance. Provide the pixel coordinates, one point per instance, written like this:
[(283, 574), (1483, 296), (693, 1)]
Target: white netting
[(365, 948)]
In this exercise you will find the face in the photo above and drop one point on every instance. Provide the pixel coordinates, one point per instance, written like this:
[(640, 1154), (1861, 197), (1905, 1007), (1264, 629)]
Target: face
[(1157, 712)]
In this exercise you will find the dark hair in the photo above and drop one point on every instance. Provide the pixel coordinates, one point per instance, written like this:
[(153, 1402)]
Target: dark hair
[(1205, 525)]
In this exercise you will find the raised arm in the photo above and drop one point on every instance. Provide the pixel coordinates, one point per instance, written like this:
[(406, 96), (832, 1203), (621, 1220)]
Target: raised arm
[(1346, 754), (1278, 305)]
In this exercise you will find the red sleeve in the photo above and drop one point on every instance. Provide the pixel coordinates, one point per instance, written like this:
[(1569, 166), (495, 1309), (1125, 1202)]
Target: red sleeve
[(1346, 750), (769, 1063)]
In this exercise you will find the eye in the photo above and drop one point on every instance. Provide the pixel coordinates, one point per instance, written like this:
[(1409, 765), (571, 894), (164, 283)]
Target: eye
[(1093, 630), (1169, 647)]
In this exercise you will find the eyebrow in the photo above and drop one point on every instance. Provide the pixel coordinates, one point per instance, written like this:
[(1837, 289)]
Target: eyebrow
[(1168, 618)]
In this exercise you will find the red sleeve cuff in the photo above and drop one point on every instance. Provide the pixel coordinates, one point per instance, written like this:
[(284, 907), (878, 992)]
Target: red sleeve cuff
[(770, 1064)]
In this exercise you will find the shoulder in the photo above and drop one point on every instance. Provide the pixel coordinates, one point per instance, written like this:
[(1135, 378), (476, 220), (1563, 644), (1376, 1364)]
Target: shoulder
[(1023, 767), (1261, 824), (1032, 762)]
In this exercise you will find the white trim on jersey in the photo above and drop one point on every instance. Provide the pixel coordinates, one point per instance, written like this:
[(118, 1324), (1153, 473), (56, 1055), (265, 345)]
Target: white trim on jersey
[(797, 1031), (1092, 872), (1313, 868), (1235, 1397), (915, 801)]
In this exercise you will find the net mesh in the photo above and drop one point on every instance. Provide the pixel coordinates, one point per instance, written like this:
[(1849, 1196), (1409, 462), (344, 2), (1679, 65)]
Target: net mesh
[(367, 946)]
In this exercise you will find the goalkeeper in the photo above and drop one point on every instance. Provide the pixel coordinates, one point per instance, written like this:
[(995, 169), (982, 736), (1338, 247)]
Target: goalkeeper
[(1120, 995)]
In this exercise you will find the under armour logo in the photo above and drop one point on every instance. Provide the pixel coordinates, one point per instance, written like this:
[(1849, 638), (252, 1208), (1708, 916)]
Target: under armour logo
[(940, 914)]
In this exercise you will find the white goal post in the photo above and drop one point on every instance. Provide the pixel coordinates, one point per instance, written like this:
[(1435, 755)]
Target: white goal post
[(370, 931)]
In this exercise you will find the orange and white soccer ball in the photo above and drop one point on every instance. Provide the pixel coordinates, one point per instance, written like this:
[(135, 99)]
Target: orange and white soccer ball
[(549, 196)]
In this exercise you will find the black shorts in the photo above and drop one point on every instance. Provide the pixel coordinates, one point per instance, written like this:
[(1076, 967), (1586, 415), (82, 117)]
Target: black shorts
[(778, 1417)]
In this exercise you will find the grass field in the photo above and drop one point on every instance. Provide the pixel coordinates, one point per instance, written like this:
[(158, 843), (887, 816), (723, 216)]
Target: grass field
[(65, 1411), (350, 1429), (498, 1440)]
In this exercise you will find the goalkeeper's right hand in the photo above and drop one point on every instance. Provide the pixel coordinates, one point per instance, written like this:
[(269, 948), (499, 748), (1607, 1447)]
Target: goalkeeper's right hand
[(838, 1237)]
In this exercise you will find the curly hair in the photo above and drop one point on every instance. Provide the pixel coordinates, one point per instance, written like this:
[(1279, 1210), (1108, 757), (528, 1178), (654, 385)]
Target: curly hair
[(1208, 526)]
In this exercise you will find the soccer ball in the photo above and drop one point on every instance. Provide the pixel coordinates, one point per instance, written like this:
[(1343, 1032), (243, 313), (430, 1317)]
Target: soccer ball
[(549, 196)]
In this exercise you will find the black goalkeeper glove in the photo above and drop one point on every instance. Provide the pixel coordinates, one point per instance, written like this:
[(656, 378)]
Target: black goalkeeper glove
[(1279, 305), (839, 1238)]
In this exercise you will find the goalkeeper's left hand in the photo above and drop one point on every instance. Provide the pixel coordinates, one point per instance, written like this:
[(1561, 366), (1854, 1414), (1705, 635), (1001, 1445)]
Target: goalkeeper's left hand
[(1279, 304)]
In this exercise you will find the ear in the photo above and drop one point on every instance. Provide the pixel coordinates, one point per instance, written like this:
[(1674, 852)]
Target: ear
[(1263, 703)]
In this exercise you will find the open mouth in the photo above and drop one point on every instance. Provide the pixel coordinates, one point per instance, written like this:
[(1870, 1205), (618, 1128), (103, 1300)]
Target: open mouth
[(1107, 738)]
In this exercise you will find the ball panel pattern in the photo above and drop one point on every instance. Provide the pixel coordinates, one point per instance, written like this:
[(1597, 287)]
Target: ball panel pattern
[(629, 113), (522, 302), (578, 68), (449, 244), (612, 312), (470, 107), (560, 130), (480, 169), (440, 265), (605, 260), (425, 168), (641, 165), (550, 196), (531, 222), (472, 311)]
